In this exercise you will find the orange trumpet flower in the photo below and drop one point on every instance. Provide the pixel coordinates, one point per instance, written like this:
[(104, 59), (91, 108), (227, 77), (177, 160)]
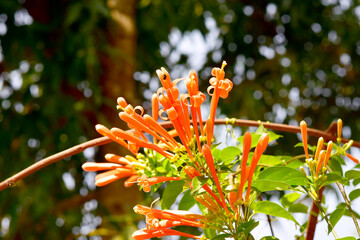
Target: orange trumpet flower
[(146, 182), (151, 233), (210, 162), (260, 148), (303, 128), (245, 155)]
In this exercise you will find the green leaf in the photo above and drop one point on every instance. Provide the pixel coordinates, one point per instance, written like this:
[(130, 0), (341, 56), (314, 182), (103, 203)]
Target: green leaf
[(209, 233), (284, 174), (356, 181), (336, 216), (270, 160), (247, 227), (197, 183), (335, 177), (335, 166), (273, 136), (228, 154), (354, 194), (187, 201), (172, 190), (352, 174), (221, 236), (216, 153), (298, 208), (269, 238), (264, 185), (289, 199), (273, 209), (347, 238)]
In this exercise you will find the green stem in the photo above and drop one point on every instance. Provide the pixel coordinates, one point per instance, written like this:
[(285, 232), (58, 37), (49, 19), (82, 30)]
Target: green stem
[(322, 211), (347, 202)]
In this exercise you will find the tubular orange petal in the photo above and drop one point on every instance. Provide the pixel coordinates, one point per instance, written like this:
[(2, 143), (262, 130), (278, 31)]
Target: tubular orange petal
[(117, 159), (328, 153), (260, 148), (122, 134), (209, 131), (210, 162), (131, 181), (122, 103), (352, 158), (158, 128), (150, 233), (303, 128), (110, 176), (339, 127), (155, 106), (192, 172), (106, 132), (146, 182), (139, 125), (93, 166), (245, 155), (205, 204), (320, 162), (319, 148)]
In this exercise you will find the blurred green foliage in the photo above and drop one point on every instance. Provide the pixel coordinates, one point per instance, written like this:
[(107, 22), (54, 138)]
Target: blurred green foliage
[(289, 60)]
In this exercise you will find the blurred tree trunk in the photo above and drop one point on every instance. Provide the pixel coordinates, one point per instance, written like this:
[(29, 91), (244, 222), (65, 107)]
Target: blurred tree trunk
[(117, 80)]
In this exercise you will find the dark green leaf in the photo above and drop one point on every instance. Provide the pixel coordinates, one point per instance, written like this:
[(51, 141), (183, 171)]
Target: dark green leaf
[(335, 166), (197, 183), (356, 181), (221, 236), (187, 201), (352, 174), (228, 154), (247, 227), (298, 208), (172, 190), (273, 209), (335, 177), (336, 216)]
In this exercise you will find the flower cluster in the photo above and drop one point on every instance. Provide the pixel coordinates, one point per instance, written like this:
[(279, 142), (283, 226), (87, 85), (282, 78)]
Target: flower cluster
[(318, 163), (188, 148)]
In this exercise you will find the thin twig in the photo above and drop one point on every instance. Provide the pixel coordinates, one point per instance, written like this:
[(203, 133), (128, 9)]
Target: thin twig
[(347, 202), (105, 140)]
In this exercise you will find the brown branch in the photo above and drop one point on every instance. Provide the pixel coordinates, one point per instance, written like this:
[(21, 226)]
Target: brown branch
[(313, 217), (105, 140), (52, 159)]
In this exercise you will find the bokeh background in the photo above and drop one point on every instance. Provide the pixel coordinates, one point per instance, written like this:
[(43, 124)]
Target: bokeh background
[(63, 64)]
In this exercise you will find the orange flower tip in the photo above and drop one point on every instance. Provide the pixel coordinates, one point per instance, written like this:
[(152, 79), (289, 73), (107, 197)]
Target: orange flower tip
[(100, 182), (303, 125), (224, 63), (352, 158), (339, 126), (93, 166), (109, 156), (102, 129), (122, 102)]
